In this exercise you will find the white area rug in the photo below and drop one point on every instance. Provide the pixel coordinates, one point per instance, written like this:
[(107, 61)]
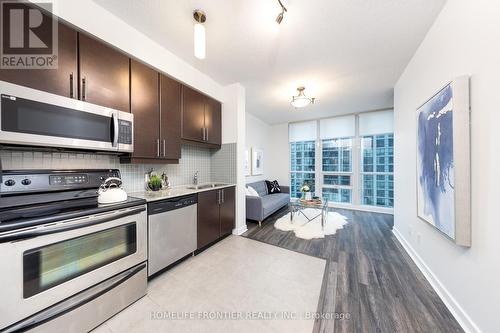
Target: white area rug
[(310, 230)]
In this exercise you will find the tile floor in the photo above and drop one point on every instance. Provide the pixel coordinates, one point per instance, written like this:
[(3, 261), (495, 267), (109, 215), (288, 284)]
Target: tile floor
[(238, 276)]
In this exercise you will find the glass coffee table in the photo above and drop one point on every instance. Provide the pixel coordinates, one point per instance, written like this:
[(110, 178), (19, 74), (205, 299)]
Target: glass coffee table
[(321, 205)]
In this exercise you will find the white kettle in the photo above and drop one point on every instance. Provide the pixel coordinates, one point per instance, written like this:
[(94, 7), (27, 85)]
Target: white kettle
[(111, 191)]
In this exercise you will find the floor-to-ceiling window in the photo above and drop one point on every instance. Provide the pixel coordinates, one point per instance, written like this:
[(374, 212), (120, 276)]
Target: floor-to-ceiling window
[(377, 159), (377, 170), (336, 140), (302, 157), (347, 159)]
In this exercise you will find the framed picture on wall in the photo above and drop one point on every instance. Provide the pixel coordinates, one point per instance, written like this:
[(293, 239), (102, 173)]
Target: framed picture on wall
[(247, 162), (443, 161), (257, 162)]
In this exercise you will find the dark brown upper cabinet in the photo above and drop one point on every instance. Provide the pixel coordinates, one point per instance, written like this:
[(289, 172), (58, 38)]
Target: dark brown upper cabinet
[(155, 102), (193, 115), (216, 215), (201, 118), (61, 81), (104, 74), (213, 121), (170, 118), (144, 103)]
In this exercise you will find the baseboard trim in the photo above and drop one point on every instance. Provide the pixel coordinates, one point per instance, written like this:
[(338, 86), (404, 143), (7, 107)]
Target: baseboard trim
[(456, 310), (240, 231)]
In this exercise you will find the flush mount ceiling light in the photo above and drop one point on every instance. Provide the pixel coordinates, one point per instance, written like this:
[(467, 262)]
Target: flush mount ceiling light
[(280, 15), (301, 100), (199, 34)]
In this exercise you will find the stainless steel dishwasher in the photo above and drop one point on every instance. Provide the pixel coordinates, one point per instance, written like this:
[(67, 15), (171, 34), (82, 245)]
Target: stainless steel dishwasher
[(172, 226)]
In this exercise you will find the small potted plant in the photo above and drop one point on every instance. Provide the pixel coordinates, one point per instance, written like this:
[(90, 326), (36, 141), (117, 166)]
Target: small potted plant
[(306, 192), (154, 183)]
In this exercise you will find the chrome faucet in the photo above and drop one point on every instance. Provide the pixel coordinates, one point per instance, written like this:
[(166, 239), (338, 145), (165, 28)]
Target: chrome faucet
[(195, 178)]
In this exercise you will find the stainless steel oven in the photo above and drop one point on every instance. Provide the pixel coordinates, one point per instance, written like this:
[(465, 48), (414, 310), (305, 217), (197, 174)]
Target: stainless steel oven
[(67, 262), (44, 265), (32, 117)]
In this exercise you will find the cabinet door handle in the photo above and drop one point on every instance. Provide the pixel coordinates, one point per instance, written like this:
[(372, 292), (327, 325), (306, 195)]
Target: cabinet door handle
[(84, 88), (164, 148), (158, 147), (71, 92)]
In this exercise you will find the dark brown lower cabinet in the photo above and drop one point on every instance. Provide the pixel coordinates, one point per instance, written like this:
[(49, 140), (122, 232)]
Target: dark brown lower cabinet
[(227, 210), (216, 214), (208, 218)]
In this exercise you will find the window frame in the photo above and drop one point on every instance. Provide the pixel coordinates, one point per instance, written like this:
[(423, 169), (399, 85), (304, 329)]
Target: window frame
[(292, 193), (322, 173), (356, 173), (374, 173)]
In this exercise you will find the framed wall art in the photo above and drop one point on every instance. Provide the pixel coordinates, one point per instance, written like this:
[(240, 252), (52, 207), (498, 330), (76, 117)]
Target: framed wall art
[(443, 161)]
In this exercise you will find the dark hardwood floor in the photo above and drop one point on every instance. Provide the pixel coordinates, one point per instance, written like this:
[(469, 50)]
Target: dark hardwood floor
[(370, 282)]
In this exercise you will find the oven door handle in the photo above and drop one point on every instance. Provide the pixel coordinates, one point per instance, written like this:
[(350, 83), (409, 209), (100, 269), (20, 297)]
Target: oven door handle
[(74, 302), (31, 233)]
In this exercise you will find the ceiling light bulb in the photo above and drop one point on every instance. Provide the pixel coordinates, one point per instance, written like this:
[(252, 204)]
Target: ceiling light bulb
[(199, 34), (199, 41)]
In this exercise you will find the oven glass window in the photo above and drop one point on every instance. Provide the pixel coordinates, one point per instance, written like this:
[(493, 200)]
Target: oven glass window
[(25, 116), (50, 265)]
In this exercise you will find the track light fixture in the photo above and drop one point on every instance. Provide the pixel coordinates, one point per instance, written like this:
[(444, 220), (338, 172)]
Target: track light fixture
[(280, 15)]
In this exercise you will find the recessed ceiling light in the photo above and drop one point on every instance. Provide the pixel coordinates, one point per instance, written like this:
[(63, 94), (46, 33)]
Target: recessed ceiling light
[(301, 100), (199, 34)]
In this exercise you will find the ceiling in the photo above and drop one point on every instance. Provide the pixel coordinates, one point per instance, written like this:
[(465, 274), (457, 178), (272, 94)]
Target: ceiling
[(347, 53)]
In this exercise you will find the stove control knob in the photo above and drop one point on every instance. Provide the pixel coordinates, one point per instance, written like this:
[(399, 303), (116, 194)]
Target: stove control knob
[(26, 181), (10, 182)]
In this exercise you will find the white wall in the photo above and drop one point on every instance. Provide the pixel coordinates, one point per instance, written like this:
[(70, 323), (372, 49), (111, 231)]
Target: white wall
[(279, 164), (273, 140), (234, 117), (258, 136), (465, 39)]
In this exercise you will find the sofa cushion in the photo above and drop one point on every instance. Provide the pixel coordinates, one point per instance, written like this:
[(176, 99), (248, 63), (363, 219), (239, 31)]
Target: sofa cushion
[(273, 202), (273, 187), (260, 187)]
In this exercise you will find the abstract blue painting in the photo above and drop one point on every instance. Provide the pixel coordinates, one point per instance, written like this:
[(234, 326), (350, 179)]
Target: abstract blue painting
[(435, 162)]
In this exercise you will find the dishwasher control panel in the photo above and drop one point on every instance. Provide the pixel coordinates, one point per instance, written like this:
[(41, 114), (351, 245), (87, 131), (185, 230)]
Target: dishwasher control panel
[(166, 205)]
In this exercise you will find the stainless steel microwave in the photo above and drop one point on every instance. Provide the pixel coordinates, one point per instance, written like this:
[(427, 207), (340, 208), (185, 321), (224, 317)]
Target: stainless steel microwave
[(32, 117)]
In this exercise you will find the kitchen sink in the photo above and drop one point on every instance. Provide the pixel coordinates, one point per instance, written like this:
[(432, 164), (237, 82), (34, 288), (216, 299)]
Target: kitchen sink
[(205, 186)]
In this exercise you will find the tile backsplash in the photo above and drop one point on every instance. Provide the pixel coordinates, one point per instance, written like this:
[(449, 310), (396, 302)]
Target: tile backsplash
[(224, 164), (193, 159)]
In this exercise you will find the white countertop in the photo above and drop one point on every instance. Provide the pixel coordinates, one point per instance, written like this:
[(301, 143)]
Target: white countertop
[(175, 191)]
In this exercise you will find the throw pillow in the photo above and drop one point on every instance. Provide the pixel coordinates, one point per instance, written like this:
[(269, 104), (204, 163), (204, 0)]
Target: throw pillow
[(273, 187), (253, 192)]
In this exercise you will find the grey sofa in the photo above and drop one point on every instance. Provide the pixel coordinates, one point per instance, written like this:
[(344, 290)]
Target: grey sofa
[(258, 208)]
